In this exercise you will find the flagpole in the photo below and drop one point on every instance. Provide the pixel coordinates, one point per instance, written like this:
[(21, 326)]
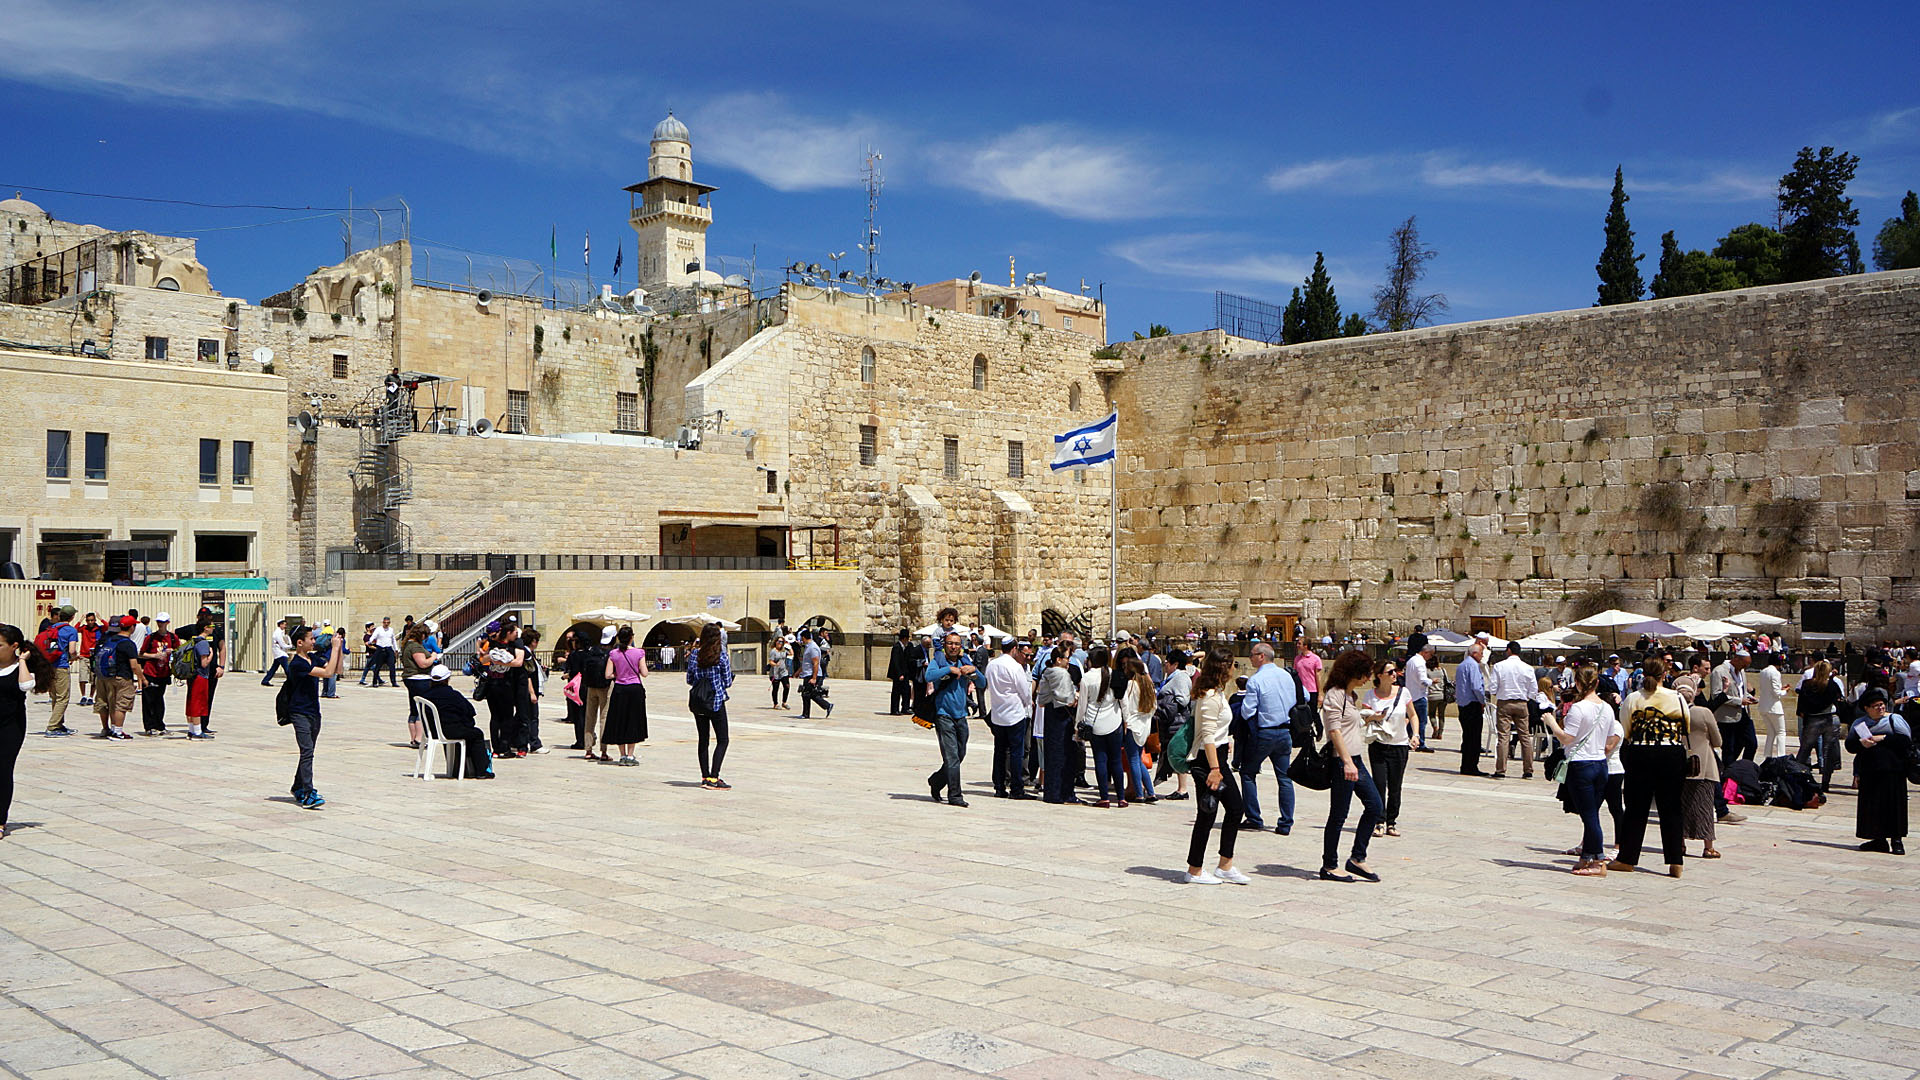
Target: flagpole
[(1113, 536)]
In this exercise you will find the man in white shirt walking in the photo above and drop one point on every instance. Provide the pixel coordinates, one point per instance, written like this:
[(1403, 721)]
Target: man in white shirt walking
[(1009, 712), (282, 647), (383, 645), (1420, 685), (1514, 685)]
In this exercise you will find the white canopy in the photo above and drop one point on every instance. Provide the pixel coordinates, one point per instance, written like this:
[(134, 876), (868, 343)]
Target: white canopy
[(1449, 643), (611, 614), (987, 630), (1757, 620), (1543, 643), (1162, 602), (701, 618), (1657, 628), (1569, 637), (1709, 629), (1612, 617)]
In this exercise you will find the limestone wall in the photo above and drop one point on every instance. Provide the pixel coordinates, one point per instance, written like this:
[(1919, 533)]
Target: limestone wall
[(1701, 455)]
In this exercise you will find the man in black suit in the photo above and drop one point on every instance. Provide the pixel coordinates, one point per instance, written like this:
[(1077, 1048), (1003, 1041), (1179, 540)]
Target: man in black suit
[(903, 667), (456, 721)]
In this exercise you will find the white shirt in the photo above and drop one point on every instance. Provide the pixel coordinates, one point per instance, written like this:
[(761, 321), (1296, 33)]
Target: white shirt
[(1138, 714), (1591, 722), (1394, 706), (1513, 680), (283, 642), (1104, 715), (1419, 683), (1771, 693), (1011, 690), (383, 637)]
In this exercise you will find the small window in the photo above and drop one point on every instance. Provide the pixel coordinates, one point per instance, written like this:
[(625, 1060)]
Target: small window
[(773, 481), (626, 411), (208, 350), (866, 364), (59, 453), (168, 284), (1066, 322), (517, 407), (953, 458), (209, 461), (96, 455), (242, 463), (221, 547), (869, 444), (1016, 459), (156, 348), (339, 365), (979, 373), (1073, 398)]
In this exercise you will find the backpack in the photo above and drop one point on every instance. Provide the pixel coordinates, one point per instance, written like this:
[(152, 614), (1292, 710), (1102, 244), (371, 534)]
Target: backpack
[(103, 656), (1303, 718), (49, 644), (186, 662), (283, 701)]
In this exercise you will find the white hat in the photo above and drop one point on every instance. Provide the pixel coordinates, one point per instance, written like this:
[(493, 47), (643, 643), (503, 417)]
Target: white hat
[(606, 636), (1123, 636), (1483, 636), (440, 673), (433, 627), (1740, 652), (1559, 659), (161, 616)]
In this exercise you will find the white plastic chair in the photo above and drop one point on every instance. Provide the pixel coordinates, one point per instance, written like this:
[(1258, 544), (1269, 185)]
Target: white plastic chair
[(429, 716)]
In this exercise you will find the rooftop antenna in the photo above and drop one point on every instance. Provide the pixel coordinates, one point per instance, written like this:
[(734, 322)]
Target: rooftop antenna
[(874, 182)]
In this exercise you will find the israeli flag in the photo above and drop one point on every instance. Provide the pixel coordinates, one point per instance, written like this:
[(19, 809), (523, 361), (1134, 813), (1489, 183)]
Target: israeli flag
[(1086, 446)]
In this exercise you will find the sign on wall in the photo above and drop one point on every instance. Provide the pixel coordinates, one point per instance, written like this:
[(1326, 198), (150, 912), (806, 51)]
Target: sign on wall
[(665, 602), (714, 602)]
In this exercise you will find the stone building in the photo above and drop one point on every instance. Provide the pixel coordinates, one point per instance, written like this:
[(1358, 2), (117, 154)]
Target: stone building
[(1693, 456), (1034, 303), (43, 258)]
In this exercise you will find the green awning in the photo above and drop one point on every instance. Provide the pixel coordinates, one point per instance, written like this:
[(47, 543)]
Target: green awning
[(211, 583)]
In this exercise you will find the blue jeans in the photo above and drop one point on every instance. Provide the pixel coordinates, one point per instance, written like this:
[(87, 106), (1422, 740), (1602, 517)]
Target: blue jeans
[(1273, 744), (1110, 763), (1137, 768), (1339, 798), (1587, 790), (279, 664), (1420, 713)]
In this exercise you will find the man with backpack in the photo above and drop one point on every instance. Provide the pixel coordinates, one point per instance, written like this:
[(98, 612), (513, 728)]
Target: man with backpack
[(1272, 692), (156, 659), (117, 675), (59, 644)]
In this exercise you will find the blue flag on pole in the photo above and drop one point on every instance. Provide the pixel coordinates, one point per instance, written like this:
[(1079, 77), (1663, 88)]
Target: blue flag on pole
[(618, 253), (1090, 445)]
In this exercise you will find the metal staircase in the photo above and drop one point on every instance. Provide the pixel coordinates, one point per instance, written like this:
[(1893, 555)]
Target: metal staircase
[(384, 481)]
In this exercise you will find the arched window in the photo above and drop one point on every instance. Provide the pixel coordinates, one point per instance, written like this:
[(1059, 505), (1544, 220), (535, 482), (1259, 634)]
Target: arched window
[(168, 284), (1073, 398), (866, 364), (980, 373)]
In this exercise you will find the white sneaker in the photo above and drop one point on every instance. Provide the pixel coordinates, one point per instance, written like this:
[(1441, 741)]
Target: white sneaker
[(1232, 876), (542, 750), (1202, 878)]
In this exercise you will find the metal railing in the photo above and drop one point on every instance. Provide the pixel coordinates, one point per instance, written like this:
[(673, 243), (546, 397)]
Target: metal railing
[(417, 560)]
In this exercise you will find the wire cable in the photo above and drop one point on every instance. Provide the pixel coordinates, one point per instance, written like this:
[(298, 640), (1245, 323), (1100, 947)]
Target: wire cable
[(188, 202)]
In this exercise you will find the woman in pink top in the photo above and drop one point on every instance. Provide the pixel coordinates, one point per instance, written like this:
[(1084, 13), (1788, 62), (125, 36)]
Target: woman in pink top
[(1307, 666), (627, 706)]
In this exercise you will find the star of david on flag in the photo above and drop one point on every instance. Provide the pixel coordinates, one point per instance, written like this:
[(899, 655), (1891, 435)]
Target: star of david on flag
[(1090, 445)]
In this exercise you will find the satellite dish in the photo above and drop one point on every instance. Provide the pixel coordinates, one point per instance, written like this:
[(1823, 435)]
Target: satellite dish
[(263, 356), (483, 427), (305, 422), (483, 297), (734, 279)]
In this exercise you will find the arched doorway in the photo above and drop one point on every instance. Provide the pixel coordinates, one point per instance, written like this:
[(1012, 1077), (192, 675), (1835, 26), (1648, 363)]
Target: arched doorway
[(751, 625), (663, 634), (1052, 622)]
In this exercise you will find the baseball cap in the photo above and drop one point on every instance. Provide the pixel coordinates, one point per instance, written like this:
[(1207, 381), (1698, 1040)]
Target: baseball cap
[(1123, 636), (606, 635), (161, 616), (66, 611), (128, 622), (1559, 659), (440, 673), (1614, 656)]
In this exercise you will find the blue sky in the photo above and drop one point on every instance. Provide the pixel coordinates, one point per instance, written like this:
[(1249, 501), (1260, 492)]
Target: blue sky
[(1164, 150)]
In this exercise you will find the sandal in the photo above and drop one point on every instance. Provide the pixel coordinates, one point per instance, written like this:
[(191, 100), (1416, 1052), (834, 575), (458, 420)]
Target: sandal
[(1379, 830), (1710, 853), (1393, 830), (1591, 869)]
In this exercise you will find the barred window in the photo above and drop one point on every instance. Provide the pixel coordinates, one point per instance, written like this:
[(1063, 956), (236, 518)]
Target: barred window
[(1016, 459), (866, 364), (517, 408), (953, 458), (980, 373), (869, 444), (626, 411), (339, 365)]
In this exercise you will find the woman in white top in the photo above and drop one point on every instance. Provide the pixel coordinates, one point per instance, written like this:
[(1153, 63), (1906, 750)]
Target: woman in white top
[(1345, 719), (1390, 739), (1137, 704), (1771, 707), (1592, 736), (1212, 748), (1100, 721)]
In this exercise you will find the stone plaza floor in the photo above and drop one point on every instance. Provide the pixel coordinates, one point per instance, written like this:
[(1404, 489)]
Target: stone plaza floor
[(166, 911)]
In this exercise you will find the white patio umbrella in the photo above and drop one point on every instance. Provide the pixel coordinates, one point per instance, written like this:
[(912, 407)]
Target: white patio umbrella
[(1710, 629), (1162, 602), (1757, 620), (1612, 619), (1448, 639), (611, 614), (1657, 628), (1568, 636), (1544, 642), (701, 618)]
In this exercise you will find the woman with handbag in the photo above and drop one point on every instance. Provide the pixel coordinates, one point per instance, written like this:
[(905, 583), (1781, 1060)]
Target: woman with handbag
[(1345, 719), (1697, 808), (1591, 737), (1884, 760), (1099, 725), (1390, 740), (626, 723), (1818, 711), (1655, 756), (1212, 722), (709, 673)]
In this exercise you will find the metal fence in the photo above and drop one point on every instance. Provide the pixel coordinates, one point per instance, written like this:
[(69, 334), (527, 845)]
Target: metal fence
[(506, 564)]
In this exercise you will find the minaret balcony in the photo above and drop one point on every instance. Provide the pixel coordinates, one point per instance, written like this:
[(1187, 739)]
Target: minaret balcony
[(647, 211)]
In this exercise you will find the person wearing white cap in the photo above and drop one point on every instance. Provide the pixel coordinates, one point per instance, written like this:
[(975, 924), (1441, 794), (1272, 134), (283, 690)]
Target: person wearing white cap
[(156, 656), (456, 714)]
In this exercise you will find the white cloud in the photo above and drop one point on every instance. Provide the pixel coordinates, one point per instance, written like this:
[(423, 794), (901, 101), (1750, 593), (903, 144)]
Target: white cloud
[(219, 52), (1213, 258), (1328, 172), (1444, 171), (1894, 126), (1453, 171), (1058, 170), (761, 136)]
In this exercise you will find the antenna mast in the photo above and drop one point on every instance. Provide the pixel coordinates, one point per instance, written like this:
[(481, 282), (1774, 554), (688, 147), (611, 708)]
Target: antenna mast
[(872, 246)]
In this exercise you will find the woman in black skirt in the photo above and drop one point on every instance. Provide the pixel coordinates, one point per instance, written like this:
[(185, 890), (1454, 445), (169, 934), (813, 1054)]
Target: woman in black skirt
[(627, 708), (1886, 747)]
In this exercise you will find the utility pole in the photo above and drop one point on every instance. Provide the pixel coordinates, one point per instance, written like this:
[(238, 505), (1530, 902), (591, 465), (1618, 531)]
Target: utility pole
[(872, 246)]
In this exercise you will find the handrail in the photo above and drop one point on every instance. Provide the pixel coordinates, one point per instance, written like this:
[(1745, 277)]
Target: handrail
[(461, 597)]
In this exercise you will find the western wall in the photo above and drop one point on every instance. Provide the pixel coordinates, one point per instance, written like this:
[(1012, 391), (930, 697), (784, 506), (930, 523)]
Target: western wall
[(1693, 456)]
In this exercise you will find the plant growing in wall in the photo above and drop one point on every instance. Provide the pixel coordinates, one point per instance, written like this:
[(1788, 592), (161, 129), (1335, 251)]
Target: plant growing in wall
[(299, 314), (539, 339)]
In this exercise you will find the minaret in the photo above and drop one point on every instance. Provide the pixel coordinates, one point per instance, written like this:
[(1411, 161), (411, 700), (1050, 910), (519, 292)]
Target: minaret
[(669, 212)]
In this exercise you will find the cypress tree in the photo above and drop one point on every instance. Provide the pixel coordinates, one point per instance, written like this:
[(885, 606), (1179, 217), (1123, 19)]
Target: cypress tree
[(1293, 321), (1619, 267), (1319, 308)]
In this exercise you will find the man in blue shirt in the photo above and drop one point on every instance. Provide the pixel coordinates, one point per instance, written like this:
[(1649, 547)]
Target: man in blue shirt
[(1470, 694), (62, 641), (949, 674), (1270, 697)]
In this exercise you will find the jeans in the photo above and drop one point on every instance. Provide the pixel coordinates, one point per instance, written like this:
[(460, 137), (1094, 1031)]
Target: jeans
[(1110, 763), (1057, 726), (1389, 764), (1470, 721), (1420, 714), (1010, 757), (1274, 744), (953, 750), (1339, 796), (383, 659), (1820, 740), (712, 724), (1587, 790), (328, 684), (153, 705), (1738, 740), (1655, 775), (279, 665), (782, 690), (501, 723), (812, 692), (1137, 767), (1206, 806), (306, 732)]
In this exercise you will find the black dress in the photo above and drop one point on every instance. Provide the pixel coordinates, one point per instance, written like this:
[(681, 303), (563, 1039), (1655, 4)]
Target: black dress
[(13, 733), (1883, 789)]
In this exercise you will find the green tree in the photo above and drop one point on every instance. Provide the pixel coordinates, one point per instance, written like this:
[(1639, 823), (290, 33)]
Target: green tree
[(1319, 308), (1898, 245), (1817, 217), (1756, 252), (1396, 304), (1293, 322), (1355, 326), (1154, 330), (1619, 267)]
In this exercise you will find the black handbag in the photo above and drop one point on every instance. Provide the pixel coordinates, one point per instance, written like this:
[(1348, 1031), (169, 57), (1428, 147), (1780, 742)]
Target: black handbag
[(1313, 767), (700, 696)]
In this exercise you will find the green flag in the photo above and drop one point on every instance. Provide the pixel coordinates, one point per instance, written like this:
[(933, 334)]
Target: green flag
[(553, 243)]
